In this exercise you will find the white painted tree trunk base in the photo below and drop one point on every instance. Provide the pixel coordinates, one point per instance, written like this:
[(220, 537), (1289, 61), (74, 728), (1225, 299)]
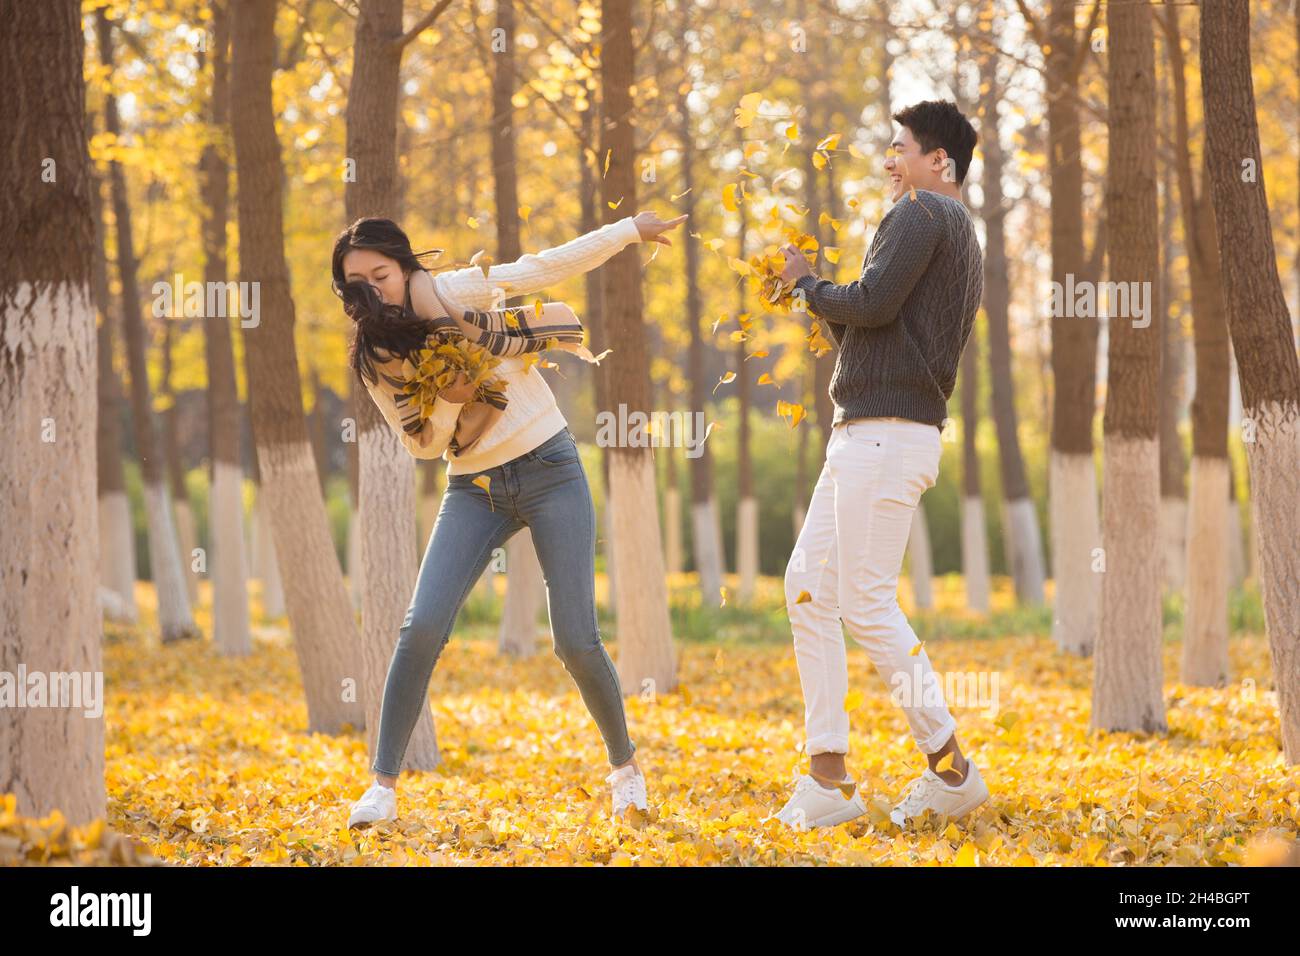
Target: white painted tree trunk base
[(672, 530), (175, 617), (747, 547), (525, 595), (707, 551), (1274, 458), (117, 556), (1026, 550), (187, 540), (1128, 672), (388, 562), (228, 567), (1076, 535), (921, 564), (1173, 542), (646, 657), (1205, 622), (975, 553)]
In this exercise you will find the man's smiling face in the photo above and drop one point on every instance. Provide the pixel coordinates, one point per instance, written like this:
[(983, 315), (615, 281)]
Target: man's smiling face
[(909, 167)]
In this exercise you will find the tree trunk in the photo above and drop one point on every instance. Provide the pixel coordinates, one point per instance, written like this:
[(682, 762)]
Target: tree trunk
[(320, 615), (1024, 544), (181, 512), (1173, 463), (672, 518), (974, 543), (51, 758), (231, 627), (1261, 339), (1205, 623), (1072, 482), (116, 533), (646, 657), (706, 545), (175, 618), (921, 565), (1128, 671), (386, 471), (525, 589), (747, 503)]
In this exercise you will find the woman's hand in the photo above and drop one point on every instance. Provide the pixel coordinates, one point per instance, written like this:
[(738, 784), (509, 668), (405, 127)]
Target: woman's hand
[(459, 391), (651, 226)]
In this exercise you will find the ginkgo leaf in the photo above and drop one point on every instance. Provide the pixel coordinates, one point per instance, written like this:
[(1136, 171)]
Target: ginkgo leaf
[(729, 197), (472, 222), (792, 131), (803, 598), (482, 260), (916, 648), (537, 308), (608, 153), (680, 195), (757, 353), (832, 254), (725, 379), (723, 592), (485, 482), (615, 205), (765, 379), (945, 762), (525, 212)]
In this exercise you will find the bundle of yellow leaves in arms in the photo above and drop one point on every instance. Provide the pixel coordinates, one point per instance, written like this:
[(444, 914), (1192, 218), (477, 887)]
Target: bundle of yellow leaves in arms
[(438, 364)]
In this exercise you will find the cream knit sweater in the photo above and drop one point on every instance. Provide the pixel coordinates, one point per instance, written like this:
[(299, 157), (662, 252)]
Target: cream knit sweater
[(531, 415)]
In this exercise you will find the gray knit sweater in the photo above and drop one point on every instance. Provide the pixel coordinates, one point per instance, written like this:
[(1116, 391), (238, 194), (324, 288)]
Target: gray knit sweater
[(902, 325)]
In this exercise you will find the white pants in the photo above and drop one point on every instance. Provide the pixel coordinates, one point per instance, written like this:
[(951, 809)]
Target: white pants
[(847, 559)]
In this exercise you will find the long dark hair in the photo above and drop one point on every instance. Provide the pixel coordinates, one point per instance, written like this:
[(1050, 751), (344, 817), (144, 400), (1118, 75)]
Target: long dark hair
[(394, 328)]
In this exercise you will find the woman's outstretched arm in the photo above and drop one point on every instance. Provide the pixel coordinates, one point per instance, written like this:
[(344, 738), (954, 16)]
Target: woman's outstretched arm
[(535, 271)]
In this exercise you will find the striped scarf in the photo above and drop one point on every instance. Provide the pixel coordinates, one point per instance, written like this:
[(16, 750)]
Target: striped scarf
[(508, 332)]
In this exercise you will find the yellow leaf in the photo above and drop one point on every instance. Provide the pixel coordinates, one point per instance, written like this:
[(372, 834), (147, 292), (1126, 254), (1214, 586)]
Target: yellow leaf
[(966, 855), (729, 197), (524, 212), (615, 205), (723, 592), (484, 482), (472, 222), (792, 131), (803, 598), (916, 648), (945, 763), (726, 378), (832, 254), (608, 153), (765, 379)]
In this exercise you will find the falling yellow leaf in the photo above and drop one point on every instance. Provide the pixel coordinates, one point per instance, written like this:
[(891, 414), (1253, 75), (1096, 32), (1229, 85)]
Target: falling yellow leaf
[(723, 592), (916, 648), (729, 197), (615, 205), (472, 222), (725, 379), (792, 131), (766, 379), (608, 153), (484, 482), (525, 212), (803, 598)]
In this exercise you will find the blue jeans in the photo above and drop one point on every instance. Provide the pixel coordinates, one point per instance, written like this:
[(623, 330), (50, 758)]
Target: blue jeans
[(546, 490)]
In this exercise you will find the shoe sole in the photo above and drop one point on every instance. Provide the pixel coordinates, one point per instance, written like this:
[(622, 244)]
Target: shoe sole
[(852, 811), (976, 800)]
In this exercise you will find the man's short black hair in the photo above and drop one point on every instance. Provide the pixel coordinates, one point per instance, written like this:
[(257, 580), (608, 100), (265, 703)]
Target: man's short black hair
[(936, 123)]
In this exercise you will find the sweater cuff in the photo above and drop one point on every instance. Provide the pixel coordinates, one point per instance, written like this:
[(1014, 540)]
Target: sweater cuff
[(628, 229)]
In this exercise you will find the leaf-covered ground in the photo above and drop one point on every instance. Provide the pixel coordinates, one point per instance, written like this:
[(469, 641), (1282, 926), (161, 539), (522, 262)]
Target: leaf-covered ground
[(208, 762)]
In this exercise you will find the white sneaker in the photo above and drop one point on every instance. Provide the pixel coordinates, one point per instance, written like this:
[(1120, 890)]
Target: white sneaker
[(813, 805), (931, 792), (628, 789), (376, 804)]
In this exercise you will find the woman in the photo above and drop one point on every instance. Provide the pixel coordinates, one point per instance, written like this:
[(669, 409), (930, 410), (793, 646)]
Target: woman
[(521, 446)]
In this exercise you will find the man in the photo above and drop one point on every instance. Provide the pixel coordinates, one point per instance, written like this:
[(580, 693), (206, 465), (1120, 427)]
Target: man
[(901, 328)]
